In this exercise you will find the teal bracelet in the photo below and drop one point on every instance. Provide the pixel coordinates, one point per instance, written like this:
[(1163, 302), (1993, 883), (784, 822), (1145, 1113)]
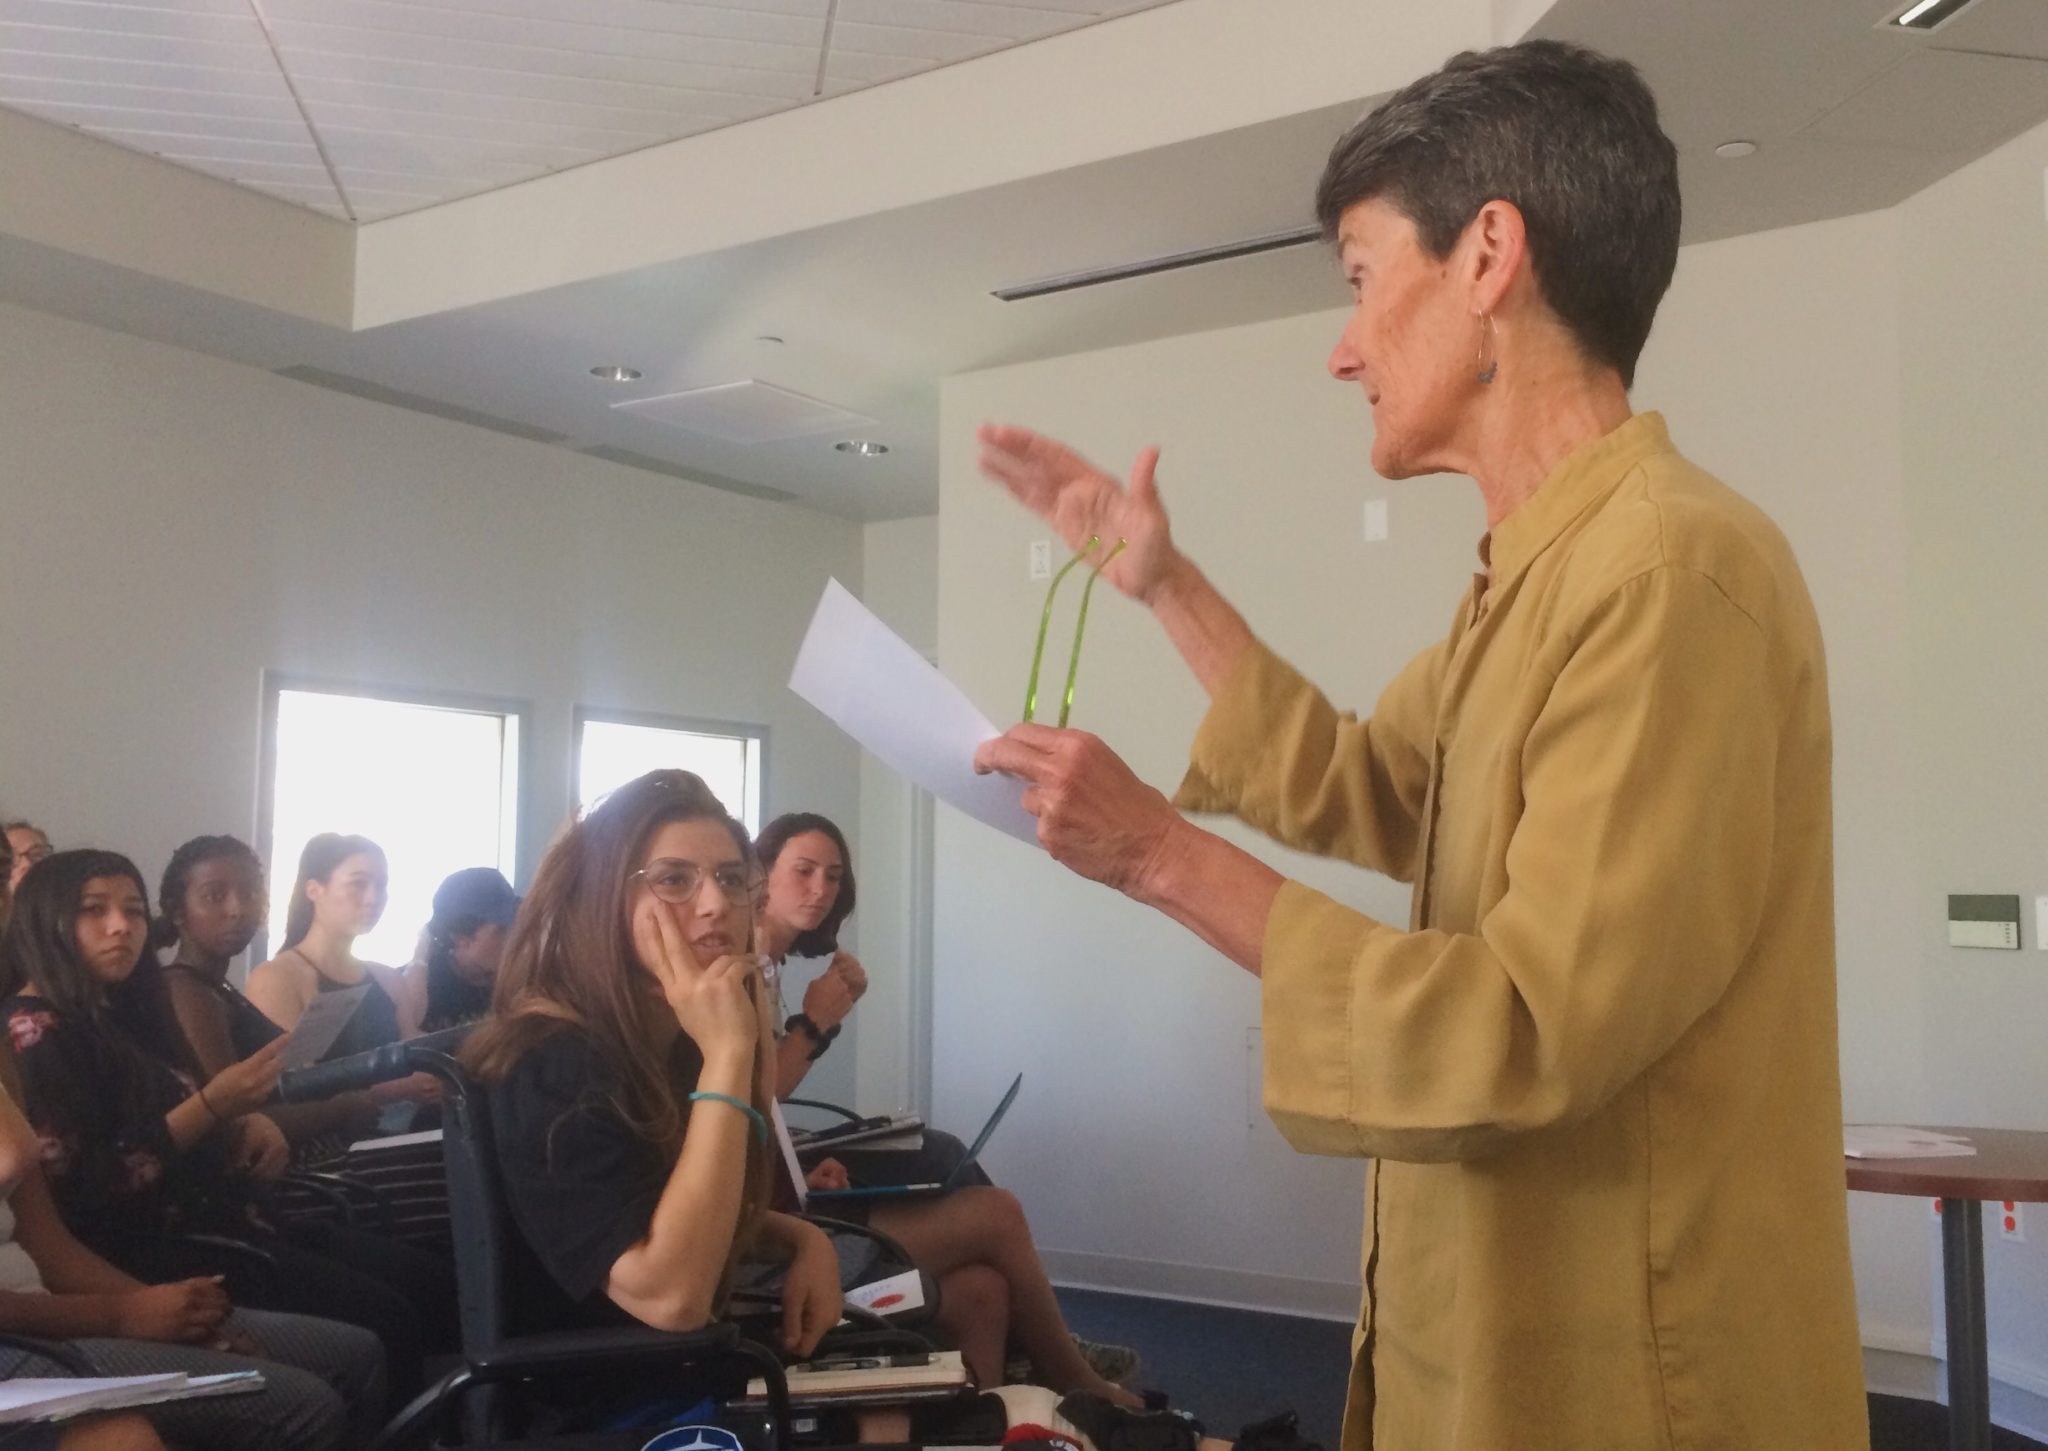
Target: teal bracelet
[(760, 1124)]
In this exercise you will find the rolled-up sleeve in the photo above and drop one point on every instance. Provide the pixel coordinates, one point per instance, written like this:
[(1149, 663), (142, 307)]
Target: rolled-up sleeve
[(1636, 873), (1275, 753)]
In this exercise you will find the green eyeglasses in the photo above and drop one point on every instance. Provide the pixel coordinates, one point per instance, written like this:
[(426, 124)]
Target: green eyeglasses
[(1080, 624)]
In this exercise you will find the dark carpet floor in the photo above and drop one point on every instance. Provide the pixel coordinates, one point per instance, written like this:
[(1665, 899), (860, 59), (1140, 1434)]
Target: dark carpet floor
[(1232, 1367)]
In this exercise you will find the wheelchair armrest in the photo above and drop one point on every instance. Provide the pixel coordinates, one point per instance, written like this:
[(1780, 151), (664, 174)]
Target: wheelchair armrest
[(346, 1183), (547, 1351)]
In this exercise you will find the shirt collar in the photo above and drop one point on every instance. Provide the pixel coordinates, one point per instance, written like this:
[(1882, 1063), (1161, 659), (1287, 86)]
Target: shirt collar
[(1585, 475)]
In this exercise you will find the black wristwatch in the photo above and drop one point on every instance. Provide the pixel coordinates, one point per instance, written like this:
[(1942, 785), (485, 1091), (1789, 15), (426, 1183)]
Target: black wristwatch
[(820, 1038)]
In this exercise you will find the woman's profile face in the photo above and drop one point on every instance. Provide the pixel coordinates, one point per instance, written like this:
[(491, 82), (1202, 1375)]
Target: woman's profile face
[(1412, 341), (352, 898), (110, 928), (224, 904), (804, 882), (476, 957), (679, 873)]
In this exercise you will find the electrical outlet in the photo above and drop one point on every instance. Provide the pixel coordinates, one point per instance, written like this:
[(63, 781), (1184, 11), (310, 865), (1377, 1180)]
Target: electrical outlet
[(1375, 521), (2010, 1225), (1041, 559)]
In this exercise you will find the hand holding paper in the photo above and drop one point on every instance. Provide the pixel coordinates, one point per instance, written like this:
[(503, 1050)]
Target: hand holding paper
[(895, 703)]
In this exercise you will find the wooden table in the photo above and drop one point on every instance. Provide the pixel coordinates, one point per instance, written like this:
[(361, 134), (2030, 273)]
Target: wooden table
[(2008, 1164)]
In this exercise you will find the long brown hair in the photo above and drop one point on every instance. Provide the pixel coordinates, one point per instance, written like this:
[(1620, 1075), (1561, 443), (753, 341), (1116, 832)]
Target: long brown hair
[(570, 965)]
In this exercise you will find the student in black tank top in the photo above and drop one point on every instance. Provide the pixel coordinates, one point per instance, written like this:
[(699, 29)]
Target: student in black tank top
[(339, 895)]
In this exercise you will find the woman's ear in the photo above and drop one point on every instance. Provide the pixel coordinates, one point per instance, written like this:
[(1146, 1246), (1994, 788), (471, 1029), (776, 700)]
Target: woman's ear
[(1498, 243)]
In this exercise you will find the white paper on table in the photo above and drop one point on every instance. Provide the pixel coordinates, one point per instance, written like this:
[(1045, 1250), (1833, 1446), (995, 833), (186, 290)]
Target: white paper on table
[(891, 1296), (896, 704), (1884, 1141)]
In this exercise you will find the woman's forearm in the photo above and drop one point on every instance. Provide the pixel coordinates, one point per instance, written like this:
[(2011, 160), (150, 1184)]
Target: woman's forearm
[(190, 1121), (671, 1277), (59, 1316), (1221, 893), (792, 1062), (1205, 627)]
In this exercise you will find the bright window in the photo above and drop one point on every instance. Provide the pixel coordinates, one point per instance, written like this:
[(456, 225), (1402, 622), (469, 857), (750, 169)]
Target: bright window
[(612, 751), (436, 785)]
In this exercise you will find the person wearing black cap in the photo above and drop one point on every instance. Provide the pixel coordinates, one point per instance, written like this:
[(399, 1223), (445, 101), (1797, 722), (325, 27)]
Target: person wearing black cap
[(473, 912)]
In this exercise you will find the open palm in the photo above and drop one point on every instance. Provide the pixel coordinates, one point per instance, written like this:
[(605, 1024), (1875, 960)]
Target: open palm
[(1082, 502)]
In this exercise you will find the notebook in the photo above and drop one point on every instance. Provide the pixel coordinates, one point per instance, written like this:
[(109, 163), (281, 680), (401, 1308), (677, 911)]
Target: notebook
[(52, 1398), (951, 1182)]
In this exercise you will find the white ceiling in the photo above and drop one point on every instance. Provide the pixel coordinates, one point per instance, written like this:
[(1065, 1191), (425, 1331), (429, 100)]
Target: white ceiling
[(364, 109), (875, 308)]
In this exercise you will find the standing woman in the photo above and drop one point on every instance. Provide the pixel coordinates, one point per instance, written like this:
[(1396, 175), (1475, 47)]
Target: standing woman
[(213, 901)]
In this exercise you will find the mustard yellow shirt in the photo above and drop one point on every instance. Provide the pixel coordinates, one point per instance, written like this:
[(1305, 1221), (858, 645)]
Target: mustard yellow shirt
[(1597, 1075)]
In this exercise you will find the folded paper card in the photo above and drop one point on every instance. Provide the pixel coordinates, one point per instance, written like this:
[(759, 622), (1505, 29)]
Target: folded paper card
[(895, 703)]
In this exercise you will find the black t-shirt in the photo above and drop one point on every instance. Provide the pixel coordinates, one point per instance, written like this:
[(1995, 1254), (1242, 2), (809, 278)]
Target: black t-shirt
[(581, 1182)]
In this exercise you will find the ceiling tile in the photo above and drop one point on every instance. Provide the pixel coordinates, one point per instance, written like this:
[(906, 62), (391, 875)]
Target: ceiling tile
[(98, 71), (90, 116), (56, 97), (28, 42), (220, 150), (950, 17), (1940, 101), (233, 24), (664, 114), (714, 94)]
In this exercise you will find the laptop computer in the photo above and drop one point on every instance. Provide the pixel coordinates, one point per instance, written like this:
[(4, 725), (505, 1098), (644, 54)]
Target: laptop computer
[(951, 1182)]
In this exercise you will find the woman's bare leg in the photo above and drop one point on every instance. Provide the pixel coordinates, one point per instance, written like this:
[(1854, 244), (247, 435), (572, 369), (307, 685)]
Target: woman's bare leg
[(112, 1433), (974, 1310), (987, 1226)]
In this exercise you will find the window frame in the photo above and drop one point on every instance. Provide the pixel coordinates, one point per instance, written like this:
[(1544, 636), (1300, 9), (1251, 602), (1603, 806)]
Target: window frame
[(683, 724), (275, 682)]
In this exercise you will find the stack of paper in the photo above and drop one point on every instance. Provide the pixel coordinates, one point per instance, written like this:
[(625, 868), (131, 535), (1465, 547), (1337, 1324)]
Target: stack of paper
[(33, 1398), (1884, 1141)]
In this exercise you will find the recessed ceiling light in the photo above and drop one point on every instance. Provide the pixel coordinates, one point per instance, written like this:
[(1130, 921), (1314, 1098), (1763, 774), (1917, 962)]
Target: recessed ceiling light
[(616, 373), (862, 447), (1928, 14), (1735, 150)]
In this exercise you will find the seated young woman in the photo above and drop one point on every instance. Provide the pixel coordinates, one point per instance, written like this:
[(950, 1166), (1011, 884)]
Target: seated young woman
[(629, 1064), (342, 886), (450, 986), (140, 1152), (625, 1068), (323, 1381), (212, 901)]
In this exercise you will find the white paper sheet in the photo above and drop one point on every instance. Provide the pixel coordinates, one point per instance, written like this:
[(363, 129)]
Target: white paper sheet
[(320, 1024), (896, 704), (1886, 1141)]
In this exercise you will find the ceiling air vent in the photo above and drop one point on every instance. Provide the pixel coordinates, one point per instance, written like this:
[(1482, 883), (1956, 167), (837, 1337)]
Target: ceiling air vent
[(1172, 262), (748, 411), (1928, 14)]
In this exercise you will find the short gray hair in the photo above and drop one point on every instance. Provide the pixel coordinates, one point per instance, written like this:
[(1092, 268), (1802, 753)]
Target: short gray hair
[(1571, 138)]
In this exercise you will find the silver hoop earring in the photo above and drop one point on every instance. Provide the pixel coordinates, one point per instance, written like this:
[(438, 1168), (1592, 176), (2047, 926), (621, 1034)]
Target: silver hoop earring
[(1489, 362)]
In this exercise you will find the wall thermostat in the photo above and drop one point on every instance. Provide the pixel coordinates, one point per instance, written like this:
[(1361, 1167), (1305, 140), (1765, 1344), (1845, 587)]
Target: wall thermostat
[(1984, 922)]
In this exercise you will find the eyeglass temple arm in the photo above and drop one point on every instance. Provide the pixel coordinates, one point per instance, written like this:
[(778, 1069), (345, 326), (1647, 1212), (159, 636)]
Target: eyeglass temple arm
[(1045, 620), (1081, 624)]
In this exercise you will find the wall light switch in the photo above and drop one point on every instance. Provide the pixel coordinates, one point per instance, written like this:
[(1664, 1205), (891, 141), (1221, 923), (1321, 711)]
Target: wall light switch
[(1375, 520), (1984, 922), (1041, 559)]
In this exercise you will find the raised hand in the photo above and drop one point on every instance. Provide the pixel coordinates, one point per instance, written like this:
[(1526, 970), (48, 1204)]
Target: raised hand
[(833, 992), (246, 1086), (1082, 502), (714, 1004)]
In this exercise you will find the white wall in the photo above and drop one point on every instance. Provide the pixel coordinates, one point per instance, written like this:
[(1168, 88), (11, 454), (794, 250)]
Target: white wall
[(172, 525), (900, 564), (1875, 384)]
